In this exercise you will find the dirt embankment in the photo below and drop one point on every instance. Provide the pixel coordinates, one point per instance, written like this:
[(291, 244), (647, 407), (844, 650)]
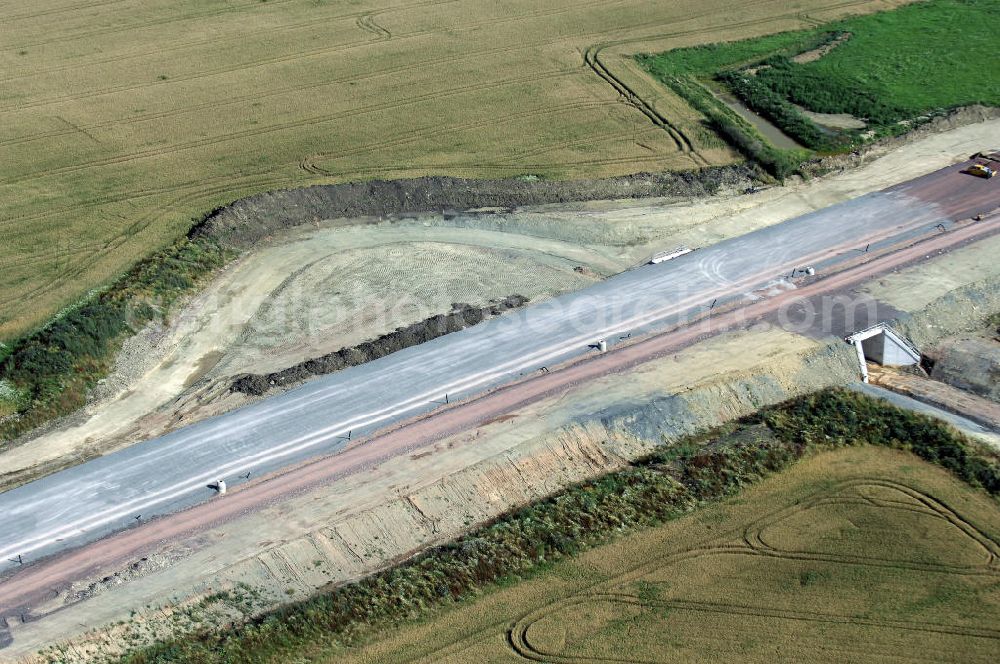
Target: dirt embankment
[(959, 117), (254, 218), (249, 220), (364, 522), (461, 316), (969, 362)]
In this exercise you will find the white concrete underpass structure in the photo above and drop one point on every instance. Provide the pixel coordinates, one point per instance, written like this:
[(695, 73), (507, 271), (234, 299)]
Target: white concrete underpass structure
[(879, 343)]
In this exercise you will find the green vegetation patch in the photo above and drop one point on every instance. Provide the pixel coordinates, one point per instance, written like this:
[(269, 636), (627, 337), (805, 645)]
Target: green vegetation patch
[(900, 64), (693, 72), (890, 70), (48, 374), (669, 483)]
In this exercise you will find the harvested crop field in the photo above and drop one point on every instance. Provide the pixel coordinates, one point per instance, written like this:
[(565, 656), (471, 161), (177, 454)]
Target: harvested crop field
[(123, 120), (861, 554)]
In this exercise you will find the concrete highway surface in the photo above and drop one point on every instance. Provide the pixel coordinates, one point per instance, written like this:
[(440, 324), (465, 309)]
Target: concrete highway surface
[(166, 474)]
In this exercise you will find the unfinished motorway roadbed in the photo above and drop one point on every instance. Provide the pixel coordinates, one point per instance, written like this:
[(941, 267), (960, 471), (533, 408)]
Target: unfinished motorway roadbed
[(326, 416)]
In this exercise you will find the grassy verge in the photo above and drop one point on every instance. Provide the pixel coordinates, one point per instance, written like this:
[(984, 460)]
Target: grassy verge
[(891, 69), (687, 72), (48, 374), (667, 484)]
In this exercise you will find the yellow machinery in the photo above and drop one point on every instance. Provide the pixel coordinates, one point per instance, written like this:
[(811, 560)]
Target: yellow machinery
[(980, 170)]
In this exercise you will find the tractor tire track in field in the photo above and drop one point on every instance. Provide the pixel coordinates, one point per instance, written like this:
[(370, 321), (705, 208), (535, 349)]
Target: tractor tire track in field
[(325, 50), (285, 126), (753, 534), (61, 10), (110, 199), (518, 639), (518, 636), (728, 542), (214, 105), (238, 38), (149, 24), (592, 59), (310, 165), (573, 143), (368, 24), (207, 73), (176, 46), (82, 262)]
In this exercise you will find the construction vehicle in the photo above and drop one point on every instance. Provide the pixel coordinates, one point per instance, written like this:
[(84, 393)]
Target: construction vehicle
[(980, 171)]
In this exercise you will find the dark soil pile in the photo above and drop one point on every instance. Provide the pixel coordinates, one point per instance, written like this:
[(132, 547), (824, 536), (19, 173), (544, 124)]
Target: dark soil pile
[(460, 316), (251, 219)]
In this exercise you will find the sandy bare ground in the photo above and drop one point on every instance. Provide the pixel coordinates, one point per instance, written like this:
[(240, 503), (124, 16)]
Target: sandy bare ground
[(321, 288), (35, 584), (356, 523), (940, 394)]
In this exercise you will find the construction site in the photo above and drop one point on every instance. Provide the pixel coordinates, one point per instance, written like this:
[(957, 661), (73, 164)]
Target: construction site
[(456, 411), (912, 327)]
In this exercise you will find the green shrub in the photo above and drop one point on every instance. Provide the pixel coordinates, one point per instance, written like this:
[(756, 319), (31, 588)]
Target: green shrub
[(669, 483), (842, 417), (55, 366), (764, 100)]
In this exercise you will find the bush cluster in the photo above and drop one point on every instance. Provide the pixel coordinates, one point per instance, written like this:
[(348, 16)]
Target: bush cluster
[(819, 92), (56, 366), (840, 418), (735, 130), (756, 94), (668, 483)]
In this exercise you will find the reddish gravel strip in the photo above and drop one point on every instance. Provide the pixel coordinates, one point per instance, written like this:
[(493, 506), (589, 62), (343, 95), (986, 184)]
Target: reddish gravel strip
[(36, 582)]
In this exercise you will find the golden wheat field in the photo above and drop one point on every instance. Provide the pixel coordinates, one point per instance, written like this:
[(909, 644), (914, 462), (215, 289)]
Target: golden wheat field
[(124, 119), (863, 554)]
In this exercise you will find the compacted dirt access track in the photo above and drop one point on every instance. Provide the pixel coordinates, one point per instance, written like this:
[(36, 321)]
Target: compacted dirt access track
[(35, 583)]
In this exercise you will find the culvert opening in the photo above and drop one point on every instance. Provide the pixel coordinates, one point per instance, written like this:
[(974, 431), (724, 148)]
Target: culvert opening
[(882, 345)]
